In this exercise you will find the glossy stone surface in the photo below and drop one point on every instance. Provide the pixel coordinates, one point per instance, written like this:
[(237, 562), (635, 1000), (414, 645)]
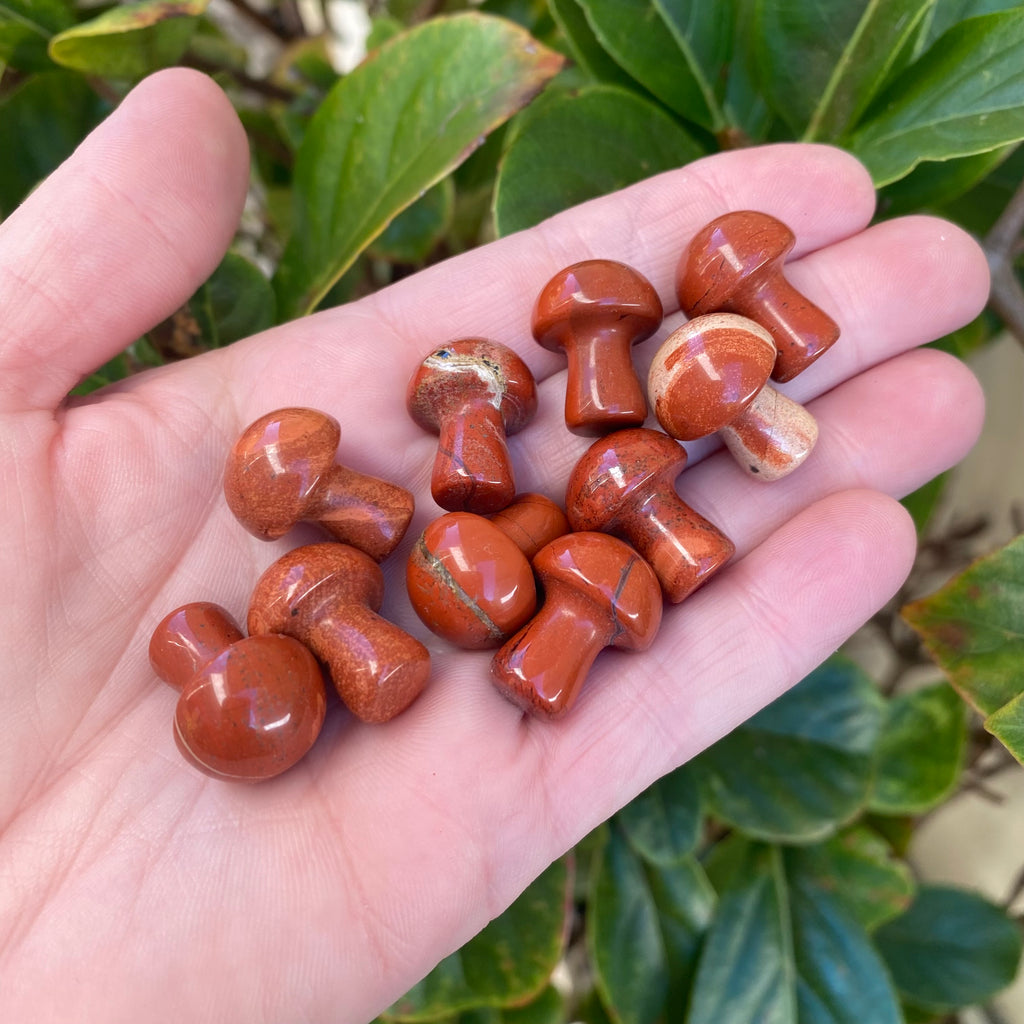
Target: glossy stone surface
[(596, 311), (532, 520), (250, 707), (327, 596), (735, 264), (472, 393), (282, 471), (624, 484), (598, 592), (469, 578), (707, 372), (768, 434)]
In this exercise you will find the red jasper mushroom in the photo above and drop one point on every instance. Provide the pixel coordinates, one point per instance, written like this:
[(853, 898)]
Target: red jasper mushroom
[(282, 471), (250, 707), (735, 265), (711, 375), (596, 311), (473, 393), (327, 596), (598, 592), (624, 484)]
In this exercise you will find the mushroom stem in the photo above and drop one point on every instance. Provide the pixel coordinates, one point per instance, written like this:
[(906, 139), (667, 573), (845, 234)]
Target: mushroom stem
[(473, 470), (543, 667), (799, 328), (772, 436), (684, 547), (372, 662), (602, 391), (368, 513)]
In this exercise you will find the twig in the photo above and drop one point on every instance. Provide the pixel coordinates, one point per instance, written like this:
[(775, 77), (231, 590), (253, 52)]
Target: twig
[(275, 26), (1007, 297)]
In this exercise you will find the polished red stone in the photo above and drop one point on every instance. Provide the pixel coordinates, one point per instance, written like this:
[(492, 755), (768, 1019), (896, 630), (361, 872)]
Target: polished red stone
[(282, 471), (624, 484), (473, 393), (596, 311), (598, 592), (249, 708), (735, 265), (710, 375), (469, 578), (327, 596)]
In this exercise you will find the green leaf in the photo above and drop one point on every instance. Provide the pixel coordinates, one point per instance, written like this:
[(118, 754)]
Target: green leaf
[(636, 35), (236, 301), (946, 13), (920, 752), (584, 46), (864, 65), (934, 183), (643, 930), (41, 123), (25, 30), (115, 369), (412, 235), (583, 145), (964, 96), (509, 962), (950, 949), (663, 823), (547, 1008), (859, 870), (392, 128), (921, 504), (801, 767), (748, 113), (129, 40), (974, 628), (781, 950)]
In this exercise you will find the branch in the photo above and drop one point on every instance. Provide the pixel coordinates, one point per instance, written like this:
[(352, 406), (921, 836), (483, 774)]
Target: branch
[(1001, 245), (275, 26)]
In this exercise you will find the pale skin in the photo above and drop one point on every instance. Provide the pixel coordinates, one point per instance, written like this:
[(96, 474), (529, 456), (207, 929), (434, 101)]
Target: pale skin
[(133, 888)]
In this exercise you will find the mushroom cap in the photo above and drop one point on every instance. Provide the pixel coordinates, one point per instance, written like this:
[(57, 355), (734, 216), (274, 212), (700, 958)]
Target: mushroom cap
[(304, 587), (617, 472), (707, 372), (467, 371), (610, 578), (732, 254), (253, 711), (274, 465), (591, 297)]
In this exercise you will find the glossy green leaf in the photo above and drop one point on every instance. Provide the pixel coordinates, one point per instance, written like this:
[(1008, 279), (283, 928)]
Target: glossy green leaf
[(974, 628), (391, 129), (636, 35), (547, 1008), (964, 96), (41, 123), (509, 962), (864, 65), (746, 110), (26, 27), (801, 767), (800, 48), (1007, 725), (584, 46), (946, 13), (782, 950), (858, 869), (579, 146), (920, 751), (129, 40), (921, 504), (644, 925), (236, 301), (950, 949), (412, 235), (663, 823), (932, 184)]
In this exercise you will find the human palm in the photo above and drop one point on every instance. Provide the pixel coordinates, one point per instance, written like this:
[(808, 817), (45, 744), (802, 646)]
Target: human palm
[(133, 888)]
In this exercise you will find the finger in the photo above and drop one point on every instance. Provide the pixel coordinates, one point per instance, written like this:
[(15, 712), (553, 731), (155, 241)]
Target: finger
[(119, 236), (490, 291)]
